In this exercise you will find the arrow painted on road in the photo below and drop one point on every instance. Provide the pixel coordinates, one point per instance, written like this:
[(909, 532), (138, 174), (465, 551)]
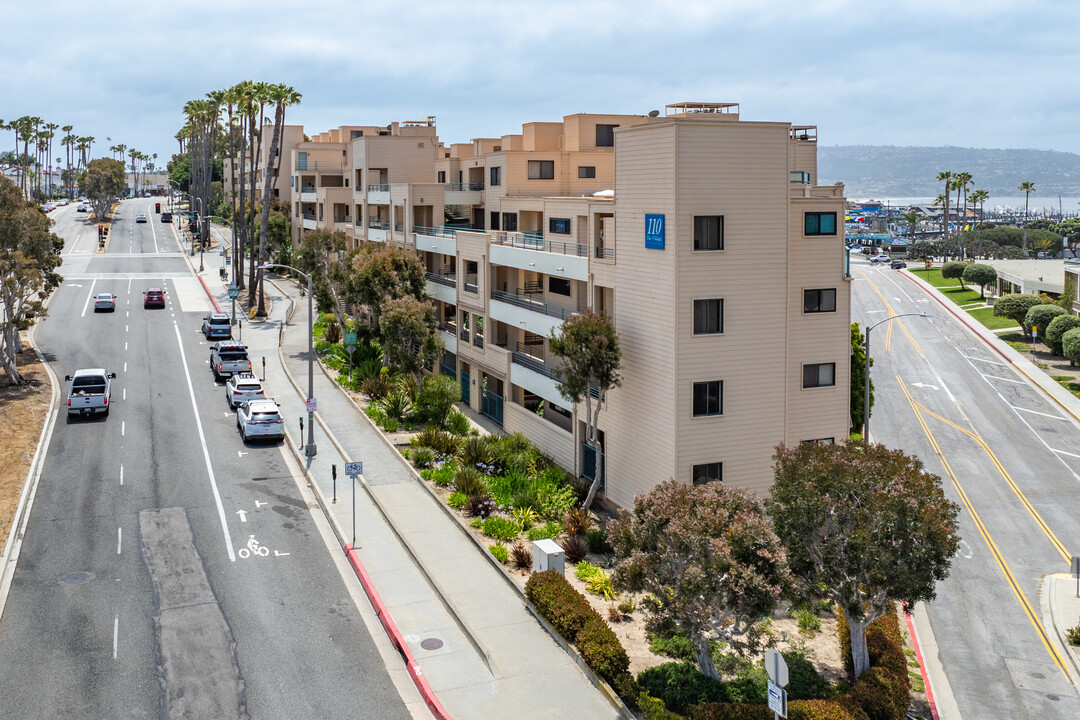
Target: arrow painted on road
[(260, 504), (243, 515), (925, 385), (279, 554)]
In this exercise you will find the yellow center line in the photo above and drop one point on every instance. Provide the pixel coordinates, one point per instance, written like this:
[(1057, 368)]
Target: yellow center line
[(888, 307), (1002, 565)]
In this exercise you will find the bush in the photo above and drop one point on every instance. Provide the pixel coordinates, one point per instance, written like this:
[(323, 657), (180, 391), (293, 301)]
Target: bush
[(1015, 306), (457, 500), (396, 405), (476, 452), (808, 622), (438, 440), (525, 516), (377, 386), (499, 552), (1070, 345), (547, 531), (676, 646), (887, 686), (468, 480), (878, 694), (442, 475), (954, 271), (521, 554), (422, 457), (1072, 635), (458, 423), (596, 580), (1057, 329), (576, 521), (680, 685), (479, 506), (437, 398), (554, 500), (1040, 316), (558, 602), (574, 549), (601, 649), (597, 540), (732, 711), (501, 529)]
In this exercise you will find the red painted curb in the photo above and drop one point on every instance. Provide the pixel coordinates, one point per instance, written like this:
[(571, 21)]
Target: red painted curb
[(208, 293), (415, 672), (922, 668), (955, 311)]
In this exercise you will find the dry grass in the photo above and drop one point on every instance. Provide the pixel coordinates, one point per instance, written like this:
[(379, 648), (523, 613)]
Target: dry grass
[(23, 409)]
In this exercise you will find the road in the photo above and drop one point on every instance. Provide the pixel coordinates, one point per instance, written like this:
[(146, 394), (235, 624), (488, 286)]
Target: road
[(168, 570), (1011, 458)]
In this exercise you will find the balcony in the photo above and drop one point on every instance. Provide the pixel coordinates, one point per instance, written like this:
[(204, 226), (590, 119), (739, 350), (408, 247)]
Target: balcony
[(471, 285), (310, 222), (378, 224), (342, 223), (335, 166), (521, 300), (536, 241), (448, 334), (442, 287), (447, 280), (463, 193), (308, 193), (603, 253), (463, 187), (378, 194), (531, 252)]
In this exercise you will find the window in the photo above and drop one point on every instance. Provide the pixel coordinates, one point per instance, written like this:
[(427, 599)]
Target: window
[(708, 398), (442, 177), (708, 472), (708, 316), (605, 135), (496, 176), (708, 232), (559, 226), (819, 223), (820, 441), (353, 134), (541, 169), (559, 286), (586, 171), (815, 301), (819, 375), (494, 221), (509, 221)]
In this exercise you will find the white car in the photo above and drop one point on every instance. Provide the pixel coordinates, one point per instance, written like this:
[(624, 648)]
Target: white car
[(105, 301), (140, 218), (882, 258), (260, 419), (242, 388)]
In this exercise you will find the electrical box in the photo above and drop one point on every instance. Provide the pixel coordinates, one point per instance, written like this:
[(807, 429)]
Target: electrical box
[(547, 555)]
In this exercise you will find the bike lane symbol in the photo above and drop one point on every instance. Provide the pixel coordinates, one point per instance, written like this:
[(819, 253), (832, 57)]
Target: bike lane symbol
[(253, 548)]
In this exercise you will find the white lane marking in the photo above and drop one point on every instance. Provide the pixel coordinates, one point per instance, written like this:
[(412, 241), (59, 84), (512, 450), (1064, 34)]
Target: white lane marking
[(1062, 452), (115, 635), (129, 290), (259, 504), (126, 328), (119, 539), (983, 360), (125, 347), (243, 515), (125, 367), (121, 474), (88, 296), (1036, 412), (205, 450), (152, 230), (924, 385), (122, 427), (1002, 379), (278, 553), (125, 393)]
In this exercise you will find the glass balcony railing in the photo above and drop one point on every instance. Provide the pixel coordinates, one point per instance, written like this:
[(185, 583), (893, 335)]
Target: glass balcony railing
[(536, 241), (460, 187), (307, 189), (310, 216), (446, 231), (379, 188), (528, 303)]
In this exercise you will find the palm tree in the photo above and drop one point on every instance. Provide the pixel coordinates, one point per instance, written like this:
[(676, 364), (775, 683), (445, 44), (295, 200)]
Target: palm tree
[(946, 176), (1027, 187), (961, 183), (68, 141), (912, 218), (978, 197)]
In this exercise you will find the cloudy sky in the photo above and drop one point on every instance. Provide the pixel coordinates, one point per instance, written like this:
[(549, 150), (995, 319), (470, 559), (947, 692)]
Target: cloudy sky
[(986, 73)]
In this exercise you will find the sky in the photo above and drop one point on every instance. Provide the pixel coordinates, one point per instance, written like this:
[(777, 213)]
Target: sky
[(986, 73)]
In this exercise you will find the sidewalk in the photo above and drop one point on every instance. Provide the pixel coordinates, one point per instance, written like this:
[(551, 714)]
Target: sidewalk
[(474, 643)]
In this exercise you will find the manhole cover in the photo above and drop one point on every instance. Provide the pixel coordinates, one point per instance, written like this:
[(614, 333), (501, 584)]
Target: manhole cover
[(77, 578), (431, 643), (1055, 698)]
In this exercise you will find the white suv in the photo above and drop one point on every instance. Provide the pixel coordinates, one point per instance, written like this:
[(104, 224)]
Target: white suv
[(260, 419), (241, 388)]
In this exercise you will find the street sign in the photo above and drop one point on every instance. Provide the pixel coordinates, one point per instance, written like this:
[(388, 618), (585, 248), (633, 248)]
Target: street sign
[(350, 339), (350, 349), (776, 667), (312, 406), (234, 291), (354, 468), (777, 699)]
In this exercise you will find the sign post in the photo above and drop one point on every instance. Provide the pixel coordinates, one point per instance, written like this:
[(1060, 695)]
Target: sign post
[(233, 293), (354, 470), (350, 346), (1076, 572), (777, 670)]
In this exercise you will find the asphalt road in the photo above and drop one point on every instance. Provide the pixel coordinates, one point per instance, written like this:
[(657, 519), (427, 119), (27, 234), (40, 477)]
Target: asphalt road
[(168, 570), (1011, 458)]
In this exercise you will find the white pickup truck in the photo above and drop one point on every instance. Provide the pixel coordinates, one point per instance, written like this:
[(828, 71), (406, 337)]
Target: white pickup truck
[(90, 391)]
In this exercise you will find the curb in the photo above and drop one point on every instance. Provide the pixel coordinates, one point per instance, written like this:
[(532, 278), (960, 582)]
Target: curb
[(922, 665), (1049, 581)]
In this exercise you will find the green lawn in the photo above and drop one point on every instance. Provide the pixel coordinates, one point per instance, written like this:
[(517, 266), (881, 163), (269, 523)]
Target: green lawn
[(961, 297), (932, 276), (986, 317)]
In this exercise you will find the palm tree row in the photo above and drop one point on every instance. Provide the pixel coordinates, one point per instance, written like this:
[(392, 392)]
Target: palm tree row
[(33, 163), (961, 183)]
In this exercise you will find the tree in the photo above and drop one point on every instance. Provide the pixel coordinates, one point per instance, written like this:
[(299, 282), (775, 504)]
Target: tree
[(318, 254), (409, 338), (589, 349), (858, 379), (1015, 306), (946, 176), (1057, 328), (1068, 293), (912, 218), (863, 524), (925, 250), (978, 197), (102, 183), (282, 96), (29, 256), (1070, 346), (1040, 316), (954, 271), (705, 556), (981, 275), (1027, 188), (437, 397), (381, 273), (1069, 230)]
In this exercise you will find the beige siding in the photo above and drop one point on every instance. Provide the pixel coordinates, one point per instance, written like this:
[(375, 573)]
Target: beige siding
[(553, 441)]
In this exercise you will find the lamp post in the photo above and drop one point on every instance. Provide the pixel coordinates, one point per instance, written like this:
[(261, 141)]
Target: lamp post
[(309, 449), (866, 372)]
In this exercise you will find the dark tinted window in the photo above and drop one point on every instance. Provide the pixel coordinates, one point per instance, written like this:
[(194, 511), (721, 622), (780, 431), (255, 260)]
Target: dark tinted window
[(559, 286), (707, 472), (559, 226), (819, 223), (708, 316), (708, 398), (605, 135), (815, 301), (708, 232), (586, 171)]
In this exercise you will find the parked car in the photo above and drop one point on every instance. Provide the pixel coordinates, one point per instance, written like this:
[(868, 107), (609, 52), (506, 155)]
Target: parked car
[(229, 357), (140, 218), (242, 388), (90, 391), (897, 264), (154, 297), (105, 301), (216, 325), (260, 419)]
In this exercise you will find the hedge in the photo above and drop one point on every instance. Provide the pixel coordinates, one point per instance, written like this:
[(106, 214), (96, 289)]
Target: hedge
[(797, 710), (572, 617), (1057, 329), (1015, 306), (680, 685), (887, 691)]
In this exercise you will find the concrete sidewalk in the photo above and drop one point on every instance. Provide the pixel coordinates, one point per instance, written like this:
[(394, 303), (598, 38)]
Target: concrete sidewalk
[(478, 648)]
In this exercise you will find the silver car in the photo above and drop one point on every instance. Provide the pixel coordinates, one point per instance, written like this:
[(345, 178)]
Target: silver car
[(260, 419), (242, 388), (105, 301)]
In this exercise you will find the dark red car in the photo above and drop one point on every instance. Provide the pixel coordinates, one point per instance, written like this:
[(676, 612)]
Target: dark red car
[(154, 297)]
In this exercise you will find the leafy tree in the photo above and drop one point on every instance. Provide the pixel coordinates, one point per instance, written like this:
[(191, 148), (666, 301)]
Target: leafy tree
[(380, 273), (180, 172), (438, 394), (1040, 316), (1015, 306), (1068, 293), (1009, 252), (589, 349), (945, 176), (29, 256), (954, 271), (912, 218), (1044, 240), (408, 333), (1070, 230), (1003, 235), (1070, 346), (925, 250), (865, 525), (858, 378), (705, 556), (1057, 328), (981, 275), (102, 182)]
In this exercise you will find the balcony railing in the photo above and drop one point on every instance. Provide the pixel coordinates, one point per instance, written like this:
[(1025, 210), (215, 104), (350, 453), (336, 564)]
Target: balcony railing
[(471, 285), (465, 334), (448, 369), (344, 219), (798, 177), (491, 405), (461, 187), (379, 188), (310, 216), (603, 253), (319, 166), (307, 189), (447, 280), (533, 364), (478, 341), (378, 224), (447, 231), (539, 306), (536, 241), (398, 227), (447, 327)]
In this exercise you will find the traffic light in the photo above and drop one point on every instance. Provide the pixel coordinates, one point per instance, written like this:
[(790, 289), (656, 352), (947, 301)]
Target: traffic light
[(157, 207), (100, 231)]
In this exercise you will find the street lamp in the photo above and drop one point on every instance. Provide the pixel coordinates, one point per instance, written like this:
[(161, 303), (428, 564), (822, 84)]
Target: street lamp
[(866, 374), (309, 449)]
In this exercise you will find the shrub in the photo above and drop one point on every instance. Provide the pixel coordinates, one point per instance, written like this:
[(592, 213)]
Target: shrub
[(441, 475), (596, 580), (499, 552), (731, 711), (422, 457), (377, 386), (878, 695), (406, 383), (1057, 329), (438, 440), (1015, 306), (526, 498), (1072, 635), (457, 500), (601, 649), (954, 271), (555, 500), (676, 646), (389, 424), (680, 685), (468, 480), (574, 549), (333, 331), (367, 369), (547, 531), (1040, 316), (475, 451), (1070, 345), (525, 516), (597, 540), (557, 601), (521, 554), (458, 423), (479, 506), (396, 405), (501, 529), (576, 521), (437, 397), (627, 605), (614, 614), (808, 622)]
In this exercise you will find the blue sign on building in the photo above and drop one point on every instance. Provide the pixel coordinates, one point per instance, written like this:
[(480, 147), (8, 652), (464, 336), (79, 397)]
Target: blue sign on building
[(654, 232)]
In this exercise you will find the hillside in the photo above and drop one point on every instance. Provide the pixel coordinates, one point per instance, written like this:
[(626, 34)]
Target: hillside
[(889, 171)]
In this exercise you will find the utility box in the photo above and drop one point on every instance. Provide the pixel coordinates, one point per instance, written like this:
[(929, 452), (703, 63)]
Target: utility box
[(547, 555)]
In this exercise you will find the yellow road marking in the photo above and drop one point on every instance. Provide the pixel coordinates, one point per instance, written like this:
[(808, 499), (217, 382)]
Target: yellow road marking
[(1002, 565), (888, 307)]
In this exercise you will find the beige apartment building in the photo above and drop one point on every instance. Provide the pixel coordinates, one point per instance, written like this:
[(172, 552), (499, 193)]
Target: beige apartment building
[(704, 237), (237, 170)]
